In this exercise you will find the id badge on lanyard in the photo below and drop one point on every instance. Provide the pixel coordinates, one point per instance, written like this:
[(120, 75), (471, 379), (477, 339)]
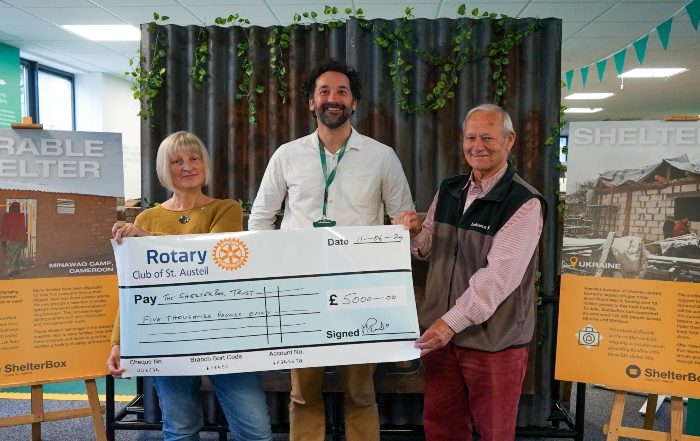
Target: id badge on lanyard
[(328, 178)]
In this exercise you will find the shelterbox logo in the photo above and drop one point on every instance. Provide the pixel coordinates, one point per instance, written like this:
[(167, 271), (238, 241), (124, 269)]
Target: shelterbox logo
[(634, 371), (29, 366), (671, 375)]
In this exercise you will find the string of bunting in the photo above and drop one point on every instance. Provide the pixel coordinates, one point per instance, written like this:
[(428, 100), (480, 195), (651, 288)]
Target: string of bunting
[(640, 46)]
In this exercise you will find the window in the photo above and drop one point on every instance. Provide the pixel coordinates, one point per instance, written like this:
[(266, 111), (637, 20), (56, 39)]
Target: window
[(48, 96), (563, 157), (687, 207), (24, 90), (563, 148), (65, 206)]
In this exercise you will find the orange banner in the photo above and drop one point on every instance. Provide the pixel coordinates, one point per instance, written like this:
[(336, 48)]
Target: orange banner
[(55, 329), (630, 334)]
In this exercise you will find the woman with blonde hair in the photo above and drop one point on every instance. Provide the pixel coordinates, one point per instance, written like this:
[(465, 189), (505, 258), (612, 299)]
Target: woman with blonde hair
[(183, 167)]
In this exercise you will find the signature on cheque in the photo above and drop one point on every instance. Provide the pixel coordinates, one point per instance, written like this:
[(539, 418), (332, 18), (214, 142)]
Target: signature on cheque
[(373, 326)]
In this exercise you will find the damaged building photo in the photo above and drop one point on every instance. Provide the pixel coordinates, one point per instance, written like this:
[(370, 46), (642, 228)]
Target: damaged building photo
[(636, 223)]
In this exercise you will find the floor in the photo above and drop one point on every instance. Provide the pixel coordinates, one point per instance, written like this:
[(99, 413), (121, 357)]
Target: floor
[(598, 406)]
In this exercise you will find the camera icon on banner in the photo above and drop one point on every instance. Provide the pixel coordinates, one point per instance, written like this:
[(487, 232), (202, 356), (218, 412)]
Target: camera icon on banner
[(589, 337)]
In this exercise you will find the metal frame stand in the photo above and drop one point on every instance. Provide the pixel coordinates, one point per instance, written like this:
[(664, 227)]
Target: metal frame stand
[(118, 420), (574, 428)]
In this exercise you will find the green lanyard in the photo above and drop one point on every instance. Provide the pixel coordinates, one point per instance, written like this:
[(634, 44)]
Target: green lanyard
[(329, 177)]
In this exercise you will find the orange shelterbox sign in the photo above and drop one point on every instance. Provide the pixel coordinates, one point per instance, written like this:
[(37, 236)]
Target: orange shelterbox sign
[(55, 329), (630, 334), (629, 311), (60, 194)]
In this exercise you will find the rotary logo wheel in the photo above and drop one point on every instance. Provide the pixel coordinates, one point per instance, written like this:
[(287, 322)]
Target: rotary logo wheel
[(230, 254)]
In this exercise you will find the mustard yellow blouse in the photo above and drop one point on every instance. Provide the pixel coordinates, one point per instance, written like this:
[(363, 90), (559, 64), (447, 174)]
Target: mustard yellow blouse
[(218, 216)]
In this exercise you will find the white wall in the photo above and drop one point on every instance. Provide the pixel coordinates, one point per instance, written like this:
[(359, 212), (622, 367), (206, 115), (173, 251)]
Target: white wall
[(88, 102), (103, 103)]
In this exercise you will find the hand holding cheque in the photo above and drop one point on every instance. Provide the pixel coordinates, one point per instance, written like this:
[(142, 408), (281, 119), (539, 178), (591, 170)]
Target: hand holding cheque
[(439, 333)]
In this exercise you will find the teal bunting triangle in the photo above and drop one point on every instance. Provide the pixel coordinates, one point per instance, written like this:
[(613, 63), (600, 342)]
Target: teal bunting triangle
[(664, 31), (584, 75), (693, 10), (620, 60), (640, 48), (601, 68), (569, 78)]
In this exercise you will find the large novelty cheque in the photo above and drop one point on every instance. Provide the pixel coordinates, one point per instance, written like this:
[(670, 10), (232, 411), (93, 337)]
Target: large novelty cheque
[(265, 300)]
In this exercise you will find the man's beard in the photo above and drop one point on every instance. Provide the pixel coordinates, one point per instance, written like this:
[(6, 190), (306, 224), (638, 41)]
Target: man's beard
[(333, 121)]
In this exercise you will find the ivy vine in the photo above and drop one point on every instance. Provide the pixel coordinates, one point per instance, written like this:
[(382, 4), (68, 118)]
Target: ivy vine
[(553, 142), (201, 53), (397, 41), (246, 90), (330, 20), (147, 78), (451, 66), (277, 43), (498, 51)]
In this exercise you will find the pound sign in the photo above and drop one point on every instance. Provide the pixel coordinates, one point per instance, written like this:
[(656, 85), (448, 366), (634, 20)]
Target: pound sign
[(332, 300)]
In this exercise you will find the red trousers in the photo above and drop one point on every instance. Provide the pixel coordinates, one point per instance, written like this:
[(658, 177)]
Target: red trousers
[(467, 389)]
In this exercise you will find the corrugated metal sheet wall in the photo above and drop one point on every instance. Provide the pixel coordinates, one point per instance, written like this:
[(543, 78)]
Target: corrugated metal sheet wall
[(427, 145)]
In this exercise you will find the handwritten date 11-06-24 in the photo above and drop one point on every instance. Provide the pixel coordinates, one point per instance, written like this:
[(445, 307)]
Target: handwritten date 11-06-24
[(378, 238)]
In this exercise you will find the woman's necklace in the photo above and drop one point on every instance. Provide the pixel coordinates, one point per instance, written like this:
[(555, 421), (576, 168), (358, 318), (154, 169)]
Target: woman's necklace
[(185, 218)]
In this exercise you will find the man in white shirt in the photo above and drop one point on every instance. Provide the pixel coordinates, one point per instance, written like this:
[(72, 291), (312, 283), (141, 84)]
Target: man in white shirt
[(334, 176)]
